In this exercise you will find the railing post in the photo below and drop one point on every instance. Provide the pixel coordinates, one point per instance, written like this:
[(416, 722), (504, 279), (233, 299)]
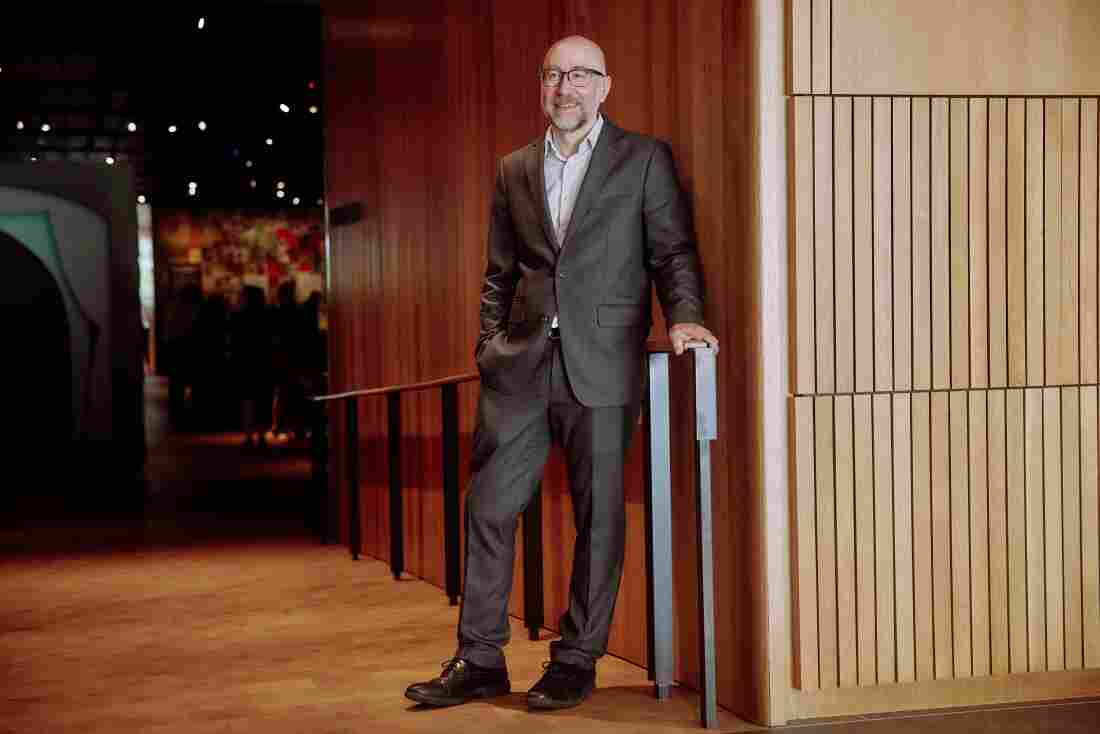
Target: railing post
[(451, 541), (354, 523), (321, 500), (533, 604), (397, 522), (659, 540), (706, 430)]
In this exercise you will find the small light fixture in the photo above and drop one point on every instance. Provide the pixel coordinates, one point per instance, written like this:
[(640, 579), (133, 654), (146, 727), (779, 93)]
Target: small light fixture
[(296, 201), (284, 107), (110, 160), (19, 125), (248, 164), (313, 109), (312, 85), (202, 125), (141, 198), (202, 23), (320, 202), (281, 185), (171, 128), (269, 141), (45, 127), (34, 159), (252, 183), (132, 127), (280, 193)]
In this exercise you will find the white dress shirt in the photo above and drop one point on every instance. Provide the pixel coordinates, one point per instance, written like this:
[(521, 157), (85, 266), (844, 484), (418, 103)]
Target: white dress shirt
[(563, 177)]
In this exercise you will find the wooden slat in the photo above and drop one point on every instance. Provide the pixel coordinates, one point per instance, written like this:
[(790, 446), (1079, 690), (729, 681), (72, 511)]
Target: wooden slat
[(1089, 306), (959, 247), (804, 246), (903, 259), (822, 46), (1071, 525), (826, 541), (843, 246), (1034, 283), (1016, 237), (998, 253), (922, 540), (903, 540), (865, 541), (978, 210), (824, 304), (883, 256), (1036, 528), (1055, 272), (806, 665), (1052, 513), (800, 46), (847, 652), (1090, 527), (941, 260), (884, 540), (864, 283), (998, 535), (1069, 314), (1018, 537), (922, 254), (979, 533), (943, 636), (960, 536)]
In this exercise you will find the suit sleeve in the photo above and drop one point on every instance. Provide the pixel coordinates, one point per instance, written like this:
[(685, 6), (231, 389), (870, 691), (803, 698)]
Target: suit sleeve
[(671, 256), (501, 273)]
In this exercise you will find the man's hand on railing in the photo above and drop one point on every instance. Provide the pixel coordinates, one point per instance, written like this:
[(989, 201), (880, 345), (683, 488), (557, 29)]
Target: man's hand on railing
[(682, 334)]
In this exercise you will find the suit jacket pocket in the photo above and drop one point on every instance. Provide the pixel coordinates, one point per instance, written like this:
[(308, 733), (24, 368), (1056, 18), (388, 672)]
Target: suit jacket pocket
[(508, 362), (622, 314)]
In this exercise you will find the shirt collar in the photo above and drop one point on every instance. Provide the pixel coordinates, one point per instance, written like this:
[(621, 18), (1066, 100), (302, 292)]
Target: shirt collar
[(587, 145)]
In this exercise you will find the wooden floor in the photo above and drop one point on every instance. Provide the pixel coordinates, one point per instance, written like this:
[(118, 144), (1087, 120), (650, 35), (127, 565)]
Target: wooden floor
[(207, 607)]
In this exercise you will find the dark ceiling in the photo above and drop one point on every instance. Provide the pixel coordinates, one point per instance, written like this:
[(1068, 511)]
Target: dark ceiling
[(90, 77)]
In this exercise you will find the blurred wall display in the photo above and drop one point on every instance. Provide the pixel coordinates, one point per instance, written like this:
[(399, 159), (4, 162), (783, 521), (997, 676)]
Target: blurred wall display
[(232, 249)]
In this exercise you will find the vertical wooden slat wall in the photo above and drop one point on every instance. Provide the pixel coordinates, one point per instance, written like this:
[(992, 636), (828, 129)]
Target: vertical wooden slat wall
[(956, 356)]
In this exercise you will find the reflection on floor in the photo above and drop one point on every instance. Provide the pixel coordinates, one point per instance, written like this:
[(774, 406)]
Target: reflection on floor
[(198, 601)]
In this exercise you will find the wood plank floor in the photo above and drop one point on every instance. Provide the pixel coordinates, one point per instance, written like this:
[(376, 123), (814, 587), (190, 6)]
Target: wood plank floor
[(207, 607)]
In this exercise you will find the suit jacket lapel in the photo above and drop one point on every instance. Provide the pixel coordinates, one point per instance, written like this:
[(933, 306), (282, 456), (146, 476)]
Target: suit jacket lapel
[(536, 158), (598, 168)]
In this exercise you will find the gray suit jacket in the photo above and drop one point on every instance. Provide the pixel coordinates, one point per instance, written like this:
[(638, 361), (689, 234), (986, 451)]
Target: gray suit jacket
[(631, 227)]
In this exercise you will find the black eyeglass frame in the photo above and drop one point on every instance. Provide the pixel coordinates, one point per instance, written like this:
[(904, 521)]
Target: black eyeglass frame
[(564, 74)]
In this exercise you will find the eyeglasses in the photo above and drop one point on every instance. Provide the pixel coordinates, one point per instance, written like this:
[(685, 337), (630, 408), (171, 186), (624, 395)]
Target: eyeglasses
[(578, 76)]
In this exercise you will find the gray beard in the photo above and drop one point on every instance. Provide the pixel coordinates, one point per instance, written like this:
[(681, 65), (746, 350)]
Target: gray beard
[(582, 120)]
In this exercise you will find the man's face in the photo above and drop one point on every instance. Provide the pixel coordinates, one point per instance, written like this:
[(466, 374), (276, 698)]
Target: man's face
[(570, 108)]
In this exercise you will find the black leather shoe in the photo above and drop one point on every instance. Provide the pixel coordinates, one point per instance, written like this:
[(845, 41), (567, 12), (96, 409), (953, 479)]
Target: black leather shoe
[(561, 686), (460, 681)]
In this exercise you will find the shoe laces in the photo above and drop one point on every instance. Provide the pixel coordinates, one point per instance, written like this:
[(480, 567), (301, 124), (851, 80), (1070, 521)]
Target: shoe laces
[(449, 666)]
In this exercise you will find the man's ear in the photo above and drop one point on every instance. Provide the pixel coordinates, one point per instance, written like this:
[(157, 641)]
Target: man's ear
[(606, 88)]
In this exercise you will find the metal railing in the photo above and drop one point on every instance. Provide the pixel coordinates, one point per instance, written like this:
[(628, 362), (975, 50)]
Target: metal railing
[(658, 507)]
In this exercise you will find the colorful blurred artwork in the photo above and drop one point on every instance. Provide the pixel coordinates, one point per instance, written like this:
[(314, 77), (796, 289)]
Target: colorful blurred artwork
[(234, 249)]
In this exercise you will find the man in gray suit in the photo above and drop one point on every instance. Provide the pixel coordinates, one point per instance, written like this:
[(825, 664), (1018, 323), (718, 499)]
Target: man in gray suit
[(583, 221)]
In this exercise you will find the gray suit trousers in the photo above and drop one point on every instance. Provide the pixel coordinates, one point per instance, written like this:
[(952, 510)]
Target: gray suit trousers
[(511, 445)]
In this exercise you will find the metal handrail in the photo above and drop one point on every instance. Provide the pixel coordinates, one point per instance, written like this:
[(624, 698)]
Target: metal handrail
[(658, 506)]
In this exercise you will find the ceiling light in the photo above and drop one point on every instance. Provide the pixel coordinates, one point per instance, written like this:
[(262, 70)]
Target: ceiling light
[(202, 125), (311, 84), (281, 185), (202, 23), (280, 193), (110, 160), (296, 201), (45, 127), (269, 141), (313, 109), (132, 127), (284, 108), (192, 185), (320, 202), (248, 164), (252, 183), (171, 128), (141, 198), (19, 125), (191, 192), (34, 159)]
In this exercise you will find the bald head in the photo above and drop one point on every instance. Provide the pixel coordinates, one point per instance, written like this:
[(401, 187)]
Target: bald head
[(579, 49)]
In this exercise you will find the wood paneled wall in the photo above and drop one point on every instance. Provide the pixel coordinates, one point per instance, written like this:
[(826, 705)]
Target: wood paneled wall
[(945, 351), (422, 98)]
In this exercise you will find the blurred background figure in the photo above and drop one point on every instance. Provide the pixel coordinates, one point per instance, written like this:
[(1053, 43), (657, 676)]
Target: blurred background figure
[(179, 343), (250, 359)]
